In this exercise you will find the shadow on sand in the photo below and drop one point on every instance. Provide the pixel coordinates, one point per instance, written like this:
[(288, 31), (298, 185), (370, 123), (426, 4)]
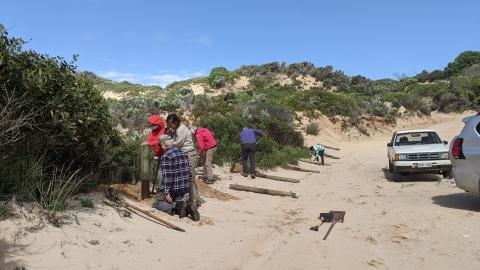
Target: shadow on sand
[(463, 201), (413, 177), (7, 254)]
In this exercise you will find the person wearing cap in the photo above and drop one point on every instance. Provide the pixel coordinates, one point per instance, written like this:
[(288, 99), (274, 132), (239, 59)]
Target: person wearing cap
[(248, 141), (182, 139), (206, 144), (176, 182)]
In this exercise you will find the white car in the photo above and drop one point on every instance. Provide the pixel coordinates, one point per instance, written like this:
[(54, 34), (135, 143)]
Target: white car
[(465, 154), (418, 151)]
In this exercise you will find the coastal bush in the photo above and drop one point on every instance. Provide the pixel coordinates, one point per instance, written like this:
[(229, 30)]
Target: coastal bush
[(71, 120), (219, 77), (462, 61), (312, 129)]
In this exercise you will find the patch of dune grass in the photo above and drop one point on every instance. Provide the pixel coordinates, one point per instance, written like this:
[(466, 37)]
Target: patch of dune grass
[(6, 211)]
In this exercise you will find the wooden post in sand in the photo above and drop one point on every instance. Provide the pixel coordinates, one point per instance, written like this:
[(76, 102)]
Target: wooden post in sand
[(144, 172)]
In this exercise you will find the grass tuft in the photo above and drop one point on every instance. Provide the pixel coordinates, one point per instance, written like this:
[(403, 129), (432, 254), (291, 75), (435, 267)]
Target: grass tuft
[(86, 202), (312, 129), (6, 211)]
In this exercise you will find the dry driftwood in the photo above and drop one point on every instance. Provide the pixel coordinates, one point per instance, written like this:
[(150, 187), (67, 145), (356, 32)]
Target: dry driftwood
[(331, 147), (145, 212), (122, 212), (330, 156), (277, 178), (295, 168), (118, 203), (264, 191), (313, 162)]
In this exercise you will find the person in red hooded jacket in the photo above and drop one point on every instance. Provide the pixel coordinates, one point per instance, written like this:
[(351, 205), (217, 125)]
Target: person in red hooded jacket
[(206, 143), (157, 125)]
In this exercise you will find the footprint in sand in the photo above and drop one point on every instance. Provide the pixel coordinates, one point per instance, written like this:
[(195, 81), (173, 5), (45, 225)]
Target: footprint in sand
[(257, 254), (371, 240), (374, 263)]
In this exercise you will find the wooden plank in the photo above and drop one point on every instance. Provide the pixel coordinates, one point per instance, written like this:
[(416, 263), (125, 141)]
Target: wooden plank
[(331, 156), (313, 162), (295, 168), (264, 191), (277, 178), (331, 147)]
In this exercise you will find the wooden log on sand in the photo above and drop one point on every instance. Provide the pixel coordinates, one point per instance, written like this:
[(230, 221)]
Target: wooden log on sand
[(295, 168), (313, 162), (145, 212), (264, 191), (277, 178), (331, 147), (330, 156)]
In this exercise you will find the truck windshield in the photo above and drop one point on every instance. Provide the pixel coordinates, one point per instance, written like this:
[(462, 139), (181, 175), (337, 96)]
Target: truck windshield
[(417, 138)]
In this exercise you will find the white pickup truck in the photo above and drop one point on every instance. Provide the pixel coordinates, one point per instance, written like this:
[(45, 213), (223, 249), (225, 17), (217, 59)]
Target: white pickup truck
[(418, 151)]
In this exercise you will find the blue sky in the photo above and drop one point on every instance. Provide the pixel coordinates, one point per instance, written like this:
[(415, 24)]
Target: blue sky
[(157, 42)]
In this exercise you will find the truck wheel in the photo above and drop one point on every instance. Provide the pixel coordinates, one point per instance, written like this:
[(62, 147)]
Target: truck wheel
[(396, 176), (390, 166), (447, 174)]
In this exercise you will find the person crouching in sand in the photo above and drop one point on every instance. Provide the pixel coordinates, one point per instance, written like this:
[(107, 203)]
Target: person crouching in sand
[(175, 188)]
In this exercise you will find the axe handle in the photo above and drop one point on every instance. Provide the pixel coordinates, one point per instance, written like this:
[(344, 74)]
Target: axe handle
[(329, 230)]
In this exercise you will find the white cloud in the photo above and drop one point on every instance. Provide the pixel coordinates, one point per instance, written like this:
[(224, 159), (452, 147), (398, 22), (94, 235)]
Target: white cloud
[(203, 40), (162, 78)]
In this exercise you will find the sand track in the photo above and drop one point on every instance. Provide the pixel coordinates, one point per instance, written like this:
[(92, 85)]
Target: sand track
[(421, 223)]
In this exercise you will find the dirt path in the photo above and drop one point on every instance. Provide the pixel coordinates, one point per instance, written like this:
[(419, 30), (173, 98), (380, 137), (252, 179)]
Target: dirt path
[(421, 224)]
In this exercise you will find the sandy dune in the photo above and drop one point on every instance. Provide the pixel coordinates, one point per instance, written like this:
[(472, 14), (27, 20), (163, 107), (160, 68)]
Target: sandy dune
[(421, 223)]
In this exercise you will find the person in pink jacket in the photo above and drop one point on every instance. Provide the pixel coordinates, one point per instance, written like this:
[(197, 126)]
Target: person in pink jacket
[(206, 143)]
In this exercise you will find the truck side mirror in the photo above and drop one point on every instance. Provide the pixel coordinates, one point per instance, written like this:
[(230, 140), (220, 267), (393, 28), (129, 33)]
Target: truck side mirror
[(389, 144), (445, 142)]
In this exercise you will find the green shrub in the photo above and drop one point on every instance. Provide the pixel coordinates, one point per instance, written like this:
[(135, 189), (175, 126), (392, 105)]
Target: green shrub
[(280, 136), (269, 69), (219, 77), (6, 211), (312, 129), (303, 68), (462, 61), (72, 121), (120, 161), (86, 202)]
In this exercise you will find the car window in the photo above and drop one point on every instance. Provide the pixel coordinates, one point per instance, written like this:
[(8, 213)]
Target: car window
[(414, 138)]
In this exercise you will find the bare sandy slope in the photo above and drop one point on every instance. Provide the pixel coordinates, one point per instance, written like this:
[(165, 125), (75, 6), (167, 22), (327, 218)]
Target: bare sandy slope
[(421, 223)]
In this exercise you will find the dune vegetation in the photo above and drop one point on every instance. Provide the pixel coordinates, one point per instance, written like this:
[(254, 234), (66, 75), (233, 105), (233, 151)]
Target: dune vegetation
[(59, 132)]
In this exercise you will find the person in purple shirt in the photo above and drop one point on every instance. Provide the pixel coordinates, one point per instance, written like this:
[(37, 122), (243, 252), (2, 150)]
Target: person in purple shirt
[(248, 141)]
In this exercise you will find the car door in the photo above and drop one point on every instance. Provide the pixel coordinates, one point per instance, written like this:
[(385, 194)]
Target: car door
[(471, 145), (390, 150)]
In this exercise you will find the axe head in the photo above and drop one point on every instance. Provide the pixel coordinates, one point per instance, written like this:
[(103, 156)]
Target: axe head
[(338, 216)]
